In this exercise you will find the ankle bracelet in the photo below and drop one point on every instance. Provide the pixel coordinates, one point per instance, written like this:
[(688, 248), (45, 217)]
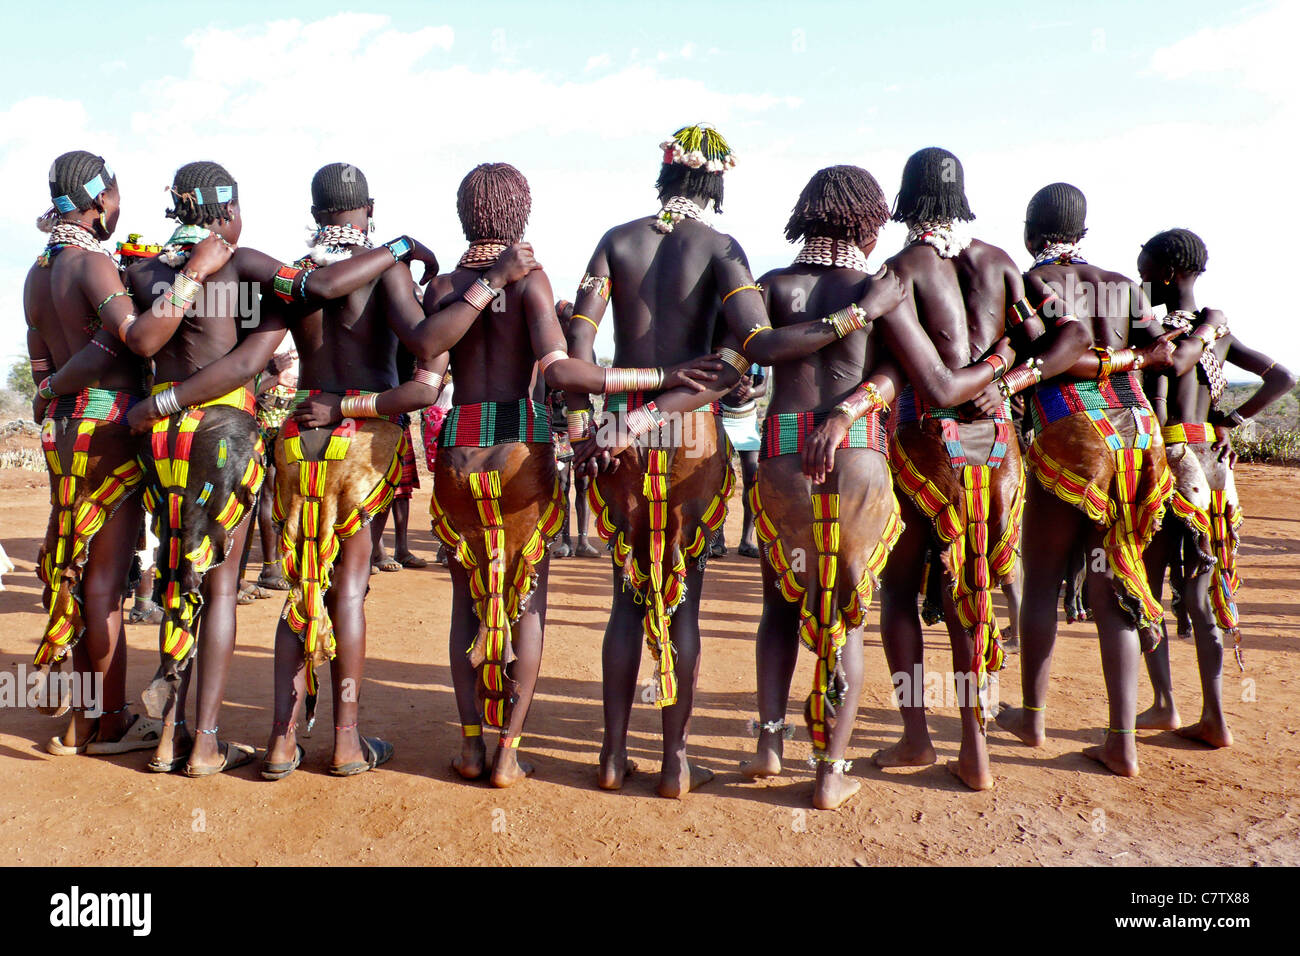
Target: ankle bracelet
[(772, 727), (212, 731)]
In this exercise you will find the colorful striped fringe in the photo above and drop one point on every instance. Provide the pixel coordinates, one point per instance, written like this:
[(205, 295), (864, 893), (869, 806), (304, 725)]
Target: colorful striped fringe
[(308, 559), (78, 512), (500, 593), (829, 607)]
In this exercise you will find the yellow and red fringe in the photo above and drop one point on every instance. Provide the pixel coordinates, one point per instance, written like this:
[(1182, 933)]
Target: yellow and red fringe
[(661, 592), (78, 517), (498, 602), (975, 565), (824, 621)]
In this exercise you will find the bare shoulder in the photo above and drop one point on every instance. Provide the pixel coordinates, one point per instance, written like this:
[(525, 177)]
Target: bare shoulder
[(911, 260), (438, 289), (988, 256)]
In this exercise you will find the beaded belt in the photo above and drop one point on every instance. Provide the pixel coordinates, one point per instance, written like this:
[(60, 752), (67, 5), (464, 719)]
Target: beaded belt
[(1059, 399), (240, 398), (484, 424), (785, 433), (1192, 433), (626, 401), (96, 404)]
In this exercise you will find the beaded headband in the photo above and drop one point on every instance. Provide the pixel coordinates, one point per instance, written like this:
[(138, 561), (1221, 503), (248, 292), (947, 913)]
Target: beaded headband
[(93, 188)]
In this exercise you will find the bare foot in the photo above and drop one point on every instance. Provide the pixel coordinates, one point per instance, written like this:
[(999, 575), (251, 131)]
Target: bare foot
[(688, 778), (975, 776), (1213, 732), (1156, 717), (508, 769), (174, 746), (906, 753), (767, 757), (1025, 724), (833, 788), (472, 762), (1118, 754), (613, 770)]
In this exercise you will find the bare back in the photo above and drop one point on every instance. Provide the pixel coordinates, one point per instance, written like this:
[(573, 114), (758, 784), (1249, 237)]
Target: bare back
[(664, 290), (1105, 302), (348, 344), (207, 332)]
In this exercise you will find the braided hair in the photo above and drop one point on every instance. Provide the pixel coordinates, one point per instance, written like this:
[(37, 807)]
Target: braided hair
[(839, 202), (70, 173), (493, 202), (194, 193), (339, 187), (1181, 250), (933, 188), (1057, 213)]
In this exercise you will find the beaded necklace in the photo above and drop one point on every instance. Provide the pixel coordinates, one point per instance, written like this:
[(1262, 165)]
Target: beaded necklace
[(1060, 253), (482, 254), (948, 237), (824, 251), (675, 210), (68, 234), (329, 244), (1211, 367)]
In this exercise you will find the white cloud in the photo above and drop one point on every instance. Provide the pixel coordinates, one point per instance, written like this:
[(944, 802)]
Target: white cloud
[(597, 62), (1260, 50)]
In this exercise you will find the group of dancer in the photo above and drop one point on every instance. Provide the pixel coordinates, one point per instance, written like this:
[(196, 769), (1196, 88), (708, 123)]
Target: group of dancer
[(889, 458)]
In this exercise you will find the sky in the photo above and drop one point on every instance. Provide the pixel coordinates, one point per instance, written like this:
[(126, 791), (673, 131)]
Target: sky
[(1164, 113)]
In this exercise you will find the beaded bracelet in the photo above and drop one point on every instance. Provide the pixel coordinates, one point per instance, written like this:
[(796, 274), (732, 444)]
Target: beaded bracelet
[(578, 423), (359, 406), (104, 348), (644, 418), (632, 379), (865, 398), (600, 284), (997, 363), (107, 300), (480, 294), (847, 320), (402, 248), (1105, 361), (41, 365), (282, 284), (1206, 334), (167, 403), (46, 390), (735, 360), (1021, 377), (1019, 313)]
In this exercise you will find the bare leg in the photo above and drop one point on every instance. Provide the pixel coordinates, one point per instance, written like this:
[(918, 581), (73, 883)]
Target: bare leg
[(102, 649), (620, 660), (584, 549), (679, 776), (1051, 534), (346, 602), (1013, 591), (972, 764), (833, 786), (290, 694), (776, 652), (377, 537), (527, 641), (749, 474), (216, 647), (900, 632), (1163, 713), (401, 521), (472, 761), (266, 511), (1119, 663), (1212, 728)]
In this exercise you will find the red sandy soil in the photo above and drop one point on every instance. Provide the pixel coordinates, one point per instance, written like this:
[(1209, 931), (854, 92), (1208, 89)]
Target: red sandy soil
[(1190, 805)]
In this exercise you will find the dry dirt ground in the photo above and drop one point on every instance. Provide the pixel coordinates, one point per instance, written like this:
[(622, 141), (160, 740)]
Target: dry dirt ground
[(1190, 805)]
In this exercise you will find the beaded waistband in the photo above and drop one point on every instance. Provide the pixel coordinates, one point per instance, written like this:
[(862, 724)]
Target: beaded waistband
[(1192, 433), (240, 398), (96, 404), (784, 433), (1061, 398), (484, 424)]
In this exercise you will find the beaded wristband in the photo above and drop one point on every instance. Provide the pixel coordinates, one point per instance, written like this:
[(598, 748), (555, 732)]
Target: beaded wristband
[(864, 399), (997, 363), (104, 348), (632, 379), (107, 300), (282, 284), (1206, 334), (847, 320), (578, 422), (1021, 377), (1019, 313), (480, 294), (359, 406), (1105, 361), (45, 390), (644, 418), (167, 403), (734, 359), (401, 248)]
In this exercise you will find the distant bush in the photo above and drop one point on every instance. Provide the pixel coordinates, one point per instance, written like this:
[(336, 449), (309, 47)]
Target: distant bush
[(1278, 447)]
